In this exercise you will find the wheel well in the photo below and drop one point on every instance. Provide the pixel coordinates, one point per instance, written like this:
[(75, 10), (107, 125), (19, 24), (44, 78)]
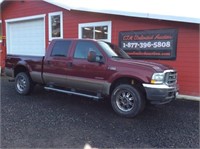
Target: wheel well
[(19, 69), (131, 81)]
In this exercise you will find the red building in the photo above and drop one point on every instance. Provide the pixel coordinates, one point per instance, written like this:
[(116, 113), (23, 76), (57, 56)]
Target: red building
[(29, 26)]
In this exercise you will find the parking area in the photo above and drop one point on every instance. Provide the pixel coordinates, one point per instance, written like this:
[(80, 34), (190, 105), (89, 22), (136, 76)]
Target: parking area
[(54, 120)]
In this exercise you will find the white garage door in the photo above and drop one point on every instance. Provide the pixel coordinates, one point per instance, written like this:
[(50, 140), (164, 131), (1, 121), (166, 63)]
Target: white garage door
[(26, 37)]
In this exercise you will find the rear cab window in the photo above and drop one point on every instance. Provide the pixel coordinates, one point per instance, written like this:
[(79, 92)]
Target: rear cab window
[(61, 48)]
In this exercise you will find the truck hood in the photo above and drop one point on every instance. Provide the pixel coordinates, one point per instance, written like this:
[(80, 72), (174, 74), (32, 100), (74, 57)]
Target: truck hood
[(152, 65)]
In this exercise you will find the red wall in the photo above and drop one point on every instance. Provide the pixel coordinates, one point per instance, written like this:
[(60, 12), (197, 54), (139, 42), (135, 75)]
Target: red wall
[(186, 63)]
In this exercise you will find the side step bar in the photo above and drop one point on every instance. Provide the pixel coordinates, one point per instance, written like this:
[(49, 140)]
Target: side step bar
[(11, 80), (73, 93)]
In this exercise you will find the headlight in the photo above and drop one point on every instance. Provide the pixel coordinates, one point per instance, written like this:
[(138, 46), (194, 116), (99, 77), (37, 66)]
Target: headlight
[(157, 78)]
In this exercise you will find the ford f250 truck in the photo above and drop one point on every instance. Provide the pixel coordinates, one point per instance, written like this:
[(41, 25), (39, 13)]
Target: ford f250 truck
[(95, 69)]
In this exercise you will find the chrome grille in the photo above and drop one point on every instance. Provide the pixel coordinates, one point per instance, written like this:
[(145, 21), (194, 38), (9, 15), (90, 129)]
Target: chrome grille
[(170, 77)]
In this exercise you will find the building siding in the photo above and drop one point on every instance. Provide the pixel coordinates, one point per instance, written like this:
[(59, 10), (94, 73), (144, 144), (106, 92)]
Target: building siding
[(187, 60)]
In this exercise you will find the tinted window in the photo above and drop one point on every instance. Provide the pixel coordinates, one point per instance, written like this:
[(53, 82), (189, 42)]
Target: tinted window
[(61, 48), (83, 47)]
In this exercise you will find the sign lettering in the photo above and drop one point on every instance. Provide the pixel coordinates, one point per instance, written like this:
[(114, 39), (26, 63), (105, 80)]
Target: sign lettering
[(149, 44)]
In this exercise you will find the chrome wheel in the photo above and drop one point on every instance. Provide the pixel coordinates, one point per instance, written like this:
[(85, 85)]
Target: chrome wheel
[(21, 83), (125, 100)]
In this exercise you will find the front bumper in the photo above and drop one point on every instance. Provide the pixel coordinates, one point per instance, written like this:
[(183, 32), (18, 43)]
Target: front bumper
[(160, 94)]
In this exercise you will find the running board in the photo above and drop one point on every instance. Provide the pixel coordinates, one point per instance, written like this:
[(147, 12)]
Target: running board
[(73, 93), (11, 80)]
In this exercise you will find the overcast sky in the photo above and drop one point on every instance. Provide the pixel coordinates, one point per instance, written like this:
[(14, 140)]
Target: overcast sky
[(182, 8), (189, 8)]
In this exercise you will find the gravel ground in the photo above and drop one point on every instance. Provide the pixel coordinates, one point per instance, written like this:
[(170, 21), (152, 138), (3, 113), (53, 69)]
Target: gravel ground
[(54, 120)]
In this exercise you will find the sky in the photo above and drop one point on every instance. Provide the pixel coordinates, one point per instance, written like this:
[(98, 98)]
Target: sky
[(170, 7), (177, 8), (186, 9)]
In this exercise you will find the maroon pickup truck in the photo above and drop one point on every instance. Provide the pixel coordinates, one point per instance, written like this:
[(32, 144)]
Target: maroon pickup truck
[(95, 69)]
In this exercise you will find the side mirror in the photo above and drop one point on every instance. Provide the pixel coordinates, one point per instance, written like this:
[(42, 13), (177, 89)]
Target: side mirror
[(91, 56)]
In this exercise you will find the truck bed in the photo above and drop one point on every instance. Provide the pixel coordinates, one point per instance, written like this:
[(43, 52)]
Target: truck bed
[(33, 63)]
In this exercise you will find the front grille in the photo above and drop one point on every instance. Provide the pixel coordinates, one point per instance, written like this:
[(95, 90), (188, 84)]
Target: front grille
[(170, 77)]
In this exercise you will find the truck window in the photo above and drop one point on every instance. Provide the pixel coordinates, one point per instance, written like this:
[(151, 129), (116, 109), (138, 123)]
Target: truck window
[(82, 49), (113, 50), (61, 48)]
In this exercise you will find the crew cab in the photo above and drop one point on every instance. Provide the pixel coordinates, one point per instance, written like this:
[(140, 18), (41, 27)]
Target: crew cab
[(95, 69)]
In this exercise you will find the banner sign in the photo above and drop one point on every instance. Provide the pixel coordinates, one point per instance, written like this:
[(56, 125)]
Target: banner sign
[(149, 44)]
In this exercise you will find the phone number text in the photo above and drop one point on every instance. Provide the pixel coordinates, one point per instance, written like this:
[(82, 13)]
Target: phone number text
[(144, 45)]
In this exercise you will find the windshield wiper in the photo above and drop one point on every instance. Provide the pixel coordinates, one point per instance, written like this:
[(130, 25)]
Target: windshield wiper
[(117, 57)]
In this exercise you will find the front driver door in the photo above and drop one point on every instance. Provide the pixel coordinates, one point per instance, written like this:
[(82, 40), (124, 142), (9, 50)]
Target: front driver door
[(84, 75)]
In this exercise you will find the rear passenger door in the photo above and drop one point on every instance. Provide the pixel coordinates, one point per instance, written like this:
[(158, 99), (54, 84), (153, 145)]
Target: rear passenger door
[(55, 63)]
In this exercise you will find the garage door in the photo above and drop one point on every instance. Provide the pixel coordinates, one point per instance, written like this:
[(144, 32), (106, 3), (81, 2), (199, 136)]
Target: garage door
[(26, 37)]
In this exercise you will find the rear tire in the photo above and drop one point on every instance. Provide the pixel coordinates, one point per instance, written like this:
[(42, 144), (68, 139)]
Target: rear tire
[(126, 100), (23, 83)]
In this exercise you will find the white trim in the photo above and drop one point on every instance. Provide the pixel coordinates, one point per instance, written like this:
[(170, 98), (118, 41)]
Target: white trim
[(50, 27), (95, 24), (187, 97), (57, 4), (26, 18), (8, 21)]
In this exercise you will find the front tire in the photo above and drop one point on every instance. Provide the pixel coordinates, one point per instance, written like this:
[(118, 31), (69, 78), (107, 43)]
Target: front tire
[(23, 83), (126, 100)]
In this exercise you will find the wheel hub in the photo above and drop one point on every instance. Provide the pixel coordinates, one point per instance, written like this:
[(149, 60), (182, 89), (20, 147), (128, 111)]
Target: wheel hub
[(125, 101), (21, 84)]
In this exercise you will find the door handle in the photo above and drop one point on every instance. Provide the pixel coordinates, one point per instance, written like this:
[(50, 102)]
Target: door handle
[(48, 62), (69, 64)]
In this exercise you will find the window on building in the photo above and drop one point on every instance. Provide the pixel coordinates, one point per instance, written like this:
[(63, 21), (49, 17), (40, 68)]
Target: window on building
[(55, 25), (82, 49), (96, 30), (61, 48)]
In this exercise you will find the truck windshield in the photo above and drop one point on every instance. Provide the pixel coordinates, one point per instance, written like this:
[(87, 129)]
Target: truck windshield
[(113, 51)]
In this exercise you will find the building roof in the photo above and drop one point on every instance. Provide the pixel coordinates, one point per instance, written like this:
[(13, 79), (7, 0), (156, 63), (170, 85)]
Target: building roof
[(172, 10)]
